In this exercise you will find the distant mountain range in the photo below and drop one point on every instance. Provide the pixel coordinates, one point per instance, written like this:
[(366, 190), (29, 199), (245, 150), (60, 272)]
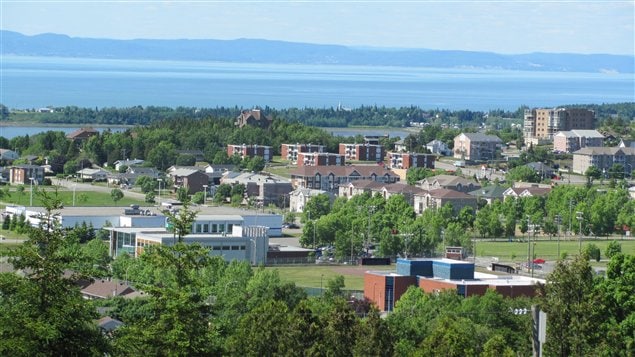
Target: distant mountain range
[(266, 51)]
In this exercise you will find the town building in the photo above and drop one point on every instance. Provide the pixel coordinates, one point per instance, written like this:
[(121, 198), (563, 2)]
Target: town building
[(385, 288), (7, 155), (570, 141), (82, 134), (451, 182), (385, 190), (477, 147), (330, 178), (438, 147), (127, 163), (299, 197), (92, 174), (26, 174), (265, 189), (253, 117), (290, 152), (603, 158), (250, 151), (437, 198), (362, 152), (193, 179), (406, 160), (489, 193), (531, 191), (540, 125), (320, 159)]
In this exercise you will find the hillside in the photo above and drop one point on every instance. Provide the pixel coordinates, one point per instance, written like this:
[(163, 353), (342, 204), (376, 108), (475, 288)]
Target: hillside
[(266, 51)]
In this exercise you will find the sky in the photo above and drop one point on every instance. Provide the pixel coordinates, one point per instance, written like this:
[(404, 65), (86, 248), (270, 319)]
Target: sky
[(509, 27)]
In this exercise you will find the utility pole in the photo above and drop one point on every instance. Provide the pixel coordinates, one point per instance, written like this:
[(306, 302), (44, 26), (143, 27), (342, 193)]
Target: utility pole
[(580, 217), (570, 213), (558, 221)]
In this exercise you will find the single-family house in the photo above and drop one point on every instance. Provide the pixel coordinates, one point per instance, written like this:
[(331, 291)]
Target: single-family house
[(93, 174)]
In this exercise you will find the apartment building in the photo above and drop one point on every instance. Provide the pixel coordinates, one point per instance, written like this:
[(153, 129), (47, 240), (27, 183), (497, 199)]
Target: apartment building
[(290, 152), (406, 160), (330, 178), (363, 152), (570, 141), (477, 147), (540, 125), (603, 158), (320, 159), (250, 151)]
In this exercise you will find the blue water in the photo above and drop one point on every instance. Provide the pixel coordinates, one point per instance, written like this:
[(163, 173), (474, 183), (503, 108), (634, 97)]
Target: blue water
[(32, 82), (11, 132)]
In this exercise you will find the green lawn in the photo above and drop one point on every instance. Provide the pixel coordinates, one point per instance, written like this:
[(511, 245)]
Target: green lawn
[(314, 275), (545, 249), (82, 198)]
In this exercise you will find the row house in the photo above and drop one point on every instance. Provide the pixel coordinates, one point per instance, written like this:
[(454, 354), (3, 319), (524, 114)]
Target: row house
[(250, 151), (385, 190), (406, 160), (320, 159), (603, 158), (570, 141), (23, 174), (363, 152), (290, 152), (330, 178), (437, 198), (477, 146), (532, 191), (450, 182)]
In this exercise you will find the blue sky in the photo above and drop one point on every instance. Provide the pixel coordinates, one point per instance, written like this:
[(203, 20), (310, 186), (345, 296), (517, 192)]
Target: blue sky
[(497, 26)]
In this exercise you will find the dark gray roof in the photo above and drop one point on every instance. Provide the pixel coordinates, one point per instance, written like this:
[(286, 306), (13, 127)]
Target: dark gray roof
[(483, 137)]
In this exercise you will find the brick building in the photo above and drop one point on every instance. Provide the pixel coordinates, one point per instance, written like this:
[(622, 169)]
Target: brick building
[(363, 152), (250, 151), (406, 160), (320, 159), (290, 151)]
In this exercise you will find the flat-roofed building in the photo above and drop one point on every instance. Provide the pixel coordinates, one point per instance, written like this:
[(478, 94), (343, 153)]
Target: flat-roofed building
[(406, 160), (320, 159), (250, 151), (290, 152), (362, 152), (570, 141), (603, 158)]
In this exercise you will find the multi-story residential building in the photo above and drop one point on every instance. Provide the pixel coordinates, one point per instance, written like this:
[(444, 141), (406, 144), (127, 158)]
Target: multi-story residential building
[(385, 190), (477, 147), (193, 180), (22, 174), (450, 182), (570, 141), (437, 198), (603, 158), (363, 152), (250, 151), (329, 178), (406, 160), (540, 125), (290, 151), (320, 159), (299, 197)]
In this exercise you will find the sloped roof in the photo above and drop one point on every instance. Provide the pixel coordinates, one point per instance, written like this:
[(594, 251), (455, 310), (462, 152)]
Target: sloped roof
[(493, 191), (587, 133), (103, 289), (82, 132), (449, 194), (482, 137), (341, 171), (605, 150)]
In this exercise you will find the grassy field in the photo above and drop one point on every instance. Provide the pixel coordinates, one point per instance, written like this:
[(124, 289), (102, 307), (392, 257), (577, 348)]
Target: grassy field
[(545, 249), (82, 198), (316, 275)]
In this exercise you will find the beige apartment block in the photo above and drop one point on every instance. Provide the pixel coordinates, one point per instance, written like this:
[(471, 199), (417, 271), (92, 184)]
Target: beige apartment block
[(570, 141), (540, 125), (603, 158)]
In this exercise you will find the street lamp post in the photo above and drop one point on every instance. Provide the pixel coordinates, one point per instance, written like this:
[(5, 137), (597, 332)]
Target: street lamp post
[(558, 221), (159, 199), (74, 187), (204, 193), (570, 213), (31, 200), (528, 243), (579, 216)]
